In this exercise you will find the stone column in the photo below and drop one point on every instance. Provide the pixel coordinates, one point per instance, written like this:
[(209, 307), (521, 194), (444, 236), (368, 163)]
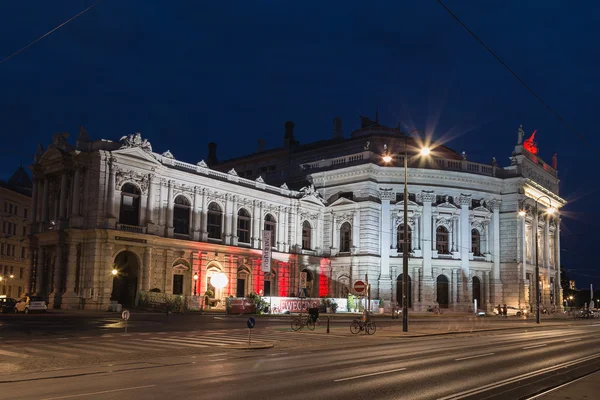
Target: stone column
[(356, 230), (161, 203), (418, 224), (335, 235), (76, 192), (259, 223), (168, 272), (196, 216), (298, 230), (45, 200), (386, 196), (234, 221), (558, 267), (227, 220), (56, 295), (70, 299), (204, 214), (35, 204), (547, 245), (151, 201), (496, 283), (63, 196), (39, 271), (105, 277), (147, 269), (428, 281), (110, 197), (170, 208), (487, 237), (394, 229), (255, 225)]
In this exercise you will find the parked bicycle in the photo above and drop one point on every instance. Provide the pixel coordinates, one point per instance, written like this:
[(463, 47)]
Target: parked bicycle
[(363, 326), (301, 322)]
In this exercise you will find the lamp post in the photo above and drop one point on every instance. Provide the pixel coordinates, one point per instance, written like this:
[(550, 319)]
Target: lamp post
[(549, 210), (195, 284), (387, 158)]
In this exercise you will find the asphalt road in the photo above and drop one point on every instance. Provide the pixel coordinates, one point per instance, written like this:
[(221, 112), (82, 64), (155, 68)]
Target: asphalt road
[(54, 324), (492, 365)]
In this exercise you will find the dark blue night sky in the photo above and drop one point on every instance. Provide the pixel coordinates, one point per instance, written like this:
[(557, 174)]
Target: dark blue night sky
[(185, 73)]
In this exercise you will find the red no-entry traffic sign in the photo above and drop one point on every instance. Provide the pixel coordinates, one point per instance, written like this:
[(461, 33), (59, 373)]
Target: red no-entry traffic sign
[(359, 286)]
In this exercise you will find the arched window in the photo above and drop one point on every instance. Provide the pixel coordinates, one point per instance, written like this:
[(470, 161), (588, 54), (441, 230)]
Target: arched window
[(270, 225), (243, 226), (181, 215), (475, 242), (306, 235), (401, 239), (214, 221), (129, 214), (441, 240), (345, 237)]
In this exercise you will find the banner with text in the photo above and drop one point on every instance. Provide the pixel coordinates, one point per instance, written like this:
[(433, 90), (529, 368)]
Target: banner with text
[(266, 252)]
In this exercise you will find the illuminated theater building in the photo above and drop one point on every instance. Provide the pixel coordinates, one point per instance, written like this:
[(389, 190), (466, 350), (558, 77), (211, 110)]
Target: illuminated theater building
[(333, 209)]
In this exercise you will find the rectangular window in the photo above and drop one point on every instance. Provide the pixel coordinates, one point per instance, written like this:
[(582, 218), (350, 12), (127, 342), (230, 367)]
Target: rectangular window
[(20, 290), (24, 231), (20, 276), (177, 284), (3, 226), (241, 288), (25, 213), (267, 288), (22, 253), (16, 210), (13, 250), (10, 208), (2, 249), (5, 207), (12, 269)]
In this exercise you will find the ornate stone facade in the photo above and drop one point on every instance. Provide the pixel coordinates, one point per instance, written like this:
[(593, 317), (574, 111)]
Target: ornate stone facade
[(178, 224)]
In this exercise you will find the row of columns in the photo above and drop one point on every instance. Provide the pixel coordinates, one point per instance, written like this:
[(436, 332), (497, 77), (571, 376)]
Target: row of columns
[(61, 279), (68, 202)]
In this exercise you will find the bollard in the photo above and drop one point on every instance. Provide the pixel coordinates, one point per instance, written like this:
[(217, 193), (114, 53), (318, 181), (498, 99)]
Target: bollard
[(327, 324)]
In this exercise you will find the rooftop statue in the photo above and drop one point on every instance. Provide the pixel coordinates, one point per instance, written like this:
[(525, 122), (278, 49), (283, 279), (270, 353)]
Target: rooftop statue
[(135, 140), (520, 134), (530, 145)]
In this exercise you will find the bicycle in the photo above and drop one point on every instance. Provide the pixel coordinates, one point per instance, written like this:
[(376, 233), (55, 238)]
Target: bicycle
[(366, 326), (299, 323)]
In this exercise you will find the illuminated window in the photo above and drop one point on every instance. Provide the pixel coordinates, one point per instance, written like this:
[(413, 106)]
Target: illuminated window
[(475, 242), (441, 240), (243, 226), (181, 215), (306, 235), (345, 237), (129, 213), (270, 225), (214, 221)]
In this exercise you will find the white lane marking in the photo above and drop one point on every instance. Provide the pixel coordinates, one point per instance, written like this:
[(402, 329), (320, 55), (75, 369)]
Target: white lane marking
[(477, 356), (219, 359), (559, 387), (12, 354), (534, 347), (367, 375), (216, 355), (572, 340), (95, 393), (276, 354), (177, 344), (494, 385)]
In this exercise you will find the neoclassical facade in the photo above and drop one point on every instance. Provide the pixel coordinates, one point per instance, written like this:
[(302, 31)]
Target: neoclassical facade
[(169, 225)]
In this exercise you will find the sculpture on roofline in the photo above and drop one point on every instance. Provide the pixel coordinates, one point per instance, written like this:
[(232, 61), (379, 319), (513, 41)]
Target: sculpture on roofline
[(520, 134), (135, 140)]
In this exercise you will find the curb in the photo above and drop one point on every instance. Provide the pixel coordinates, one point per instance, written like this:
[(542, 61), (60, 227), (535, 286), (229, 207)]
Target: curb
[(250, 347)]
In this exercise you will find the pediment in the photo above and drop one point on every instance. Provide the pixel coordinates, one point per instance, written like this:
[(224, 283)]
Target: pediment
[(136, 152), (481, 210), (448, 206), (410, 203), (342, 201), (312, 200)]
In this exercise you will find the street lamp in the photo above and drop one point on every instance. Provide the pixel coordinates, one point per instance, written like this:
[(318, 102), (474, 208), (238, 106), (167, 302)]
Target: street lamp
[(550, 210), (114, 272), (387, 158), (195, 283)]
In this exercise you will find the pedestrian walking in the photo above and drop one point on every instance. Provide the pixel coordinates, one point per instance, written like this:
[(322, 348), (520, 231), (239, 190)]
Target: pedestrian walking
[(505, 311), (499, 310)]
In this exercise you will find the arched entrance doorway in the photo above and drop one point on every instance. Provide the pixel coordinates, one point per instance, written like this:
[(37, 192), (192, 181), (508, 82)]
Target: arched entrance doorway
[(400, 290), (442, 290), (309, 282), (477, 290), (126, 280)]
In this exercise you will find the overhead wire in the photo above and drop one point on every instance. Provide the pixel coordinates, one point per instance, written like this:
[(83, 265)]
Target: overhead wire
[(556, 114), (50, 32)]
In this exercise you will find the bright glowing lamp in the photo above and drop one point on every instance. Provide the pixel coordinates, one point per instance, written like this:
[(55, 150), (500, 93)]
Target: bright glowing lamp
[(195, 277), (551, 210), (522, 213), (425, 151), (114, 271), (219, 280), (387, 158), (12, 276)]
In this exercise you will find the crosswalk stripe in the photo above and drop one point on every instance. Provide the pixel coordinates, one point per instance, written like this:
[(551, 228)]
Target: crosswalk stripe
[(183, 341), (180, 344), (222, 341), (13, 354)]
